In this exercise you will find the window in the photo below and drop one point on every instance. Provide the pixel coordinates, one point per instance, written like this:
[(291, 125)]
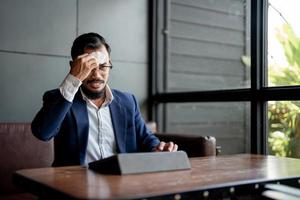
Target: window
[(212, 73), (229, 122), (284, 128), (283, 43), (283, 70), (207, 42)]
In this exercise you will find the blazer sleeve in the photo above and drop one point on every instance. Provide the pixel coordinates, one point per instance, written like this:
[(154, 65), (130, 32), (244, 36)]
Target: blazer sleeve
[(148, 139), (48, 120)]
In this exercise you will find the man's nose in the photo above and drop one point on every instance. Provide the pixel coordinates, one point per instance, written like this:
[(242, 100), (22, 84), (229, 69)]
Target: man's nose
[(96, 73)]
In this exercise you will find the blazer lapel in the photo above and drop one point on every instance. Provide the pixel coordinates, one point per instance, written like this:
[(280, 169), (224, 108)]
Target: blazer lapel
[(118, 117), (82, 120)]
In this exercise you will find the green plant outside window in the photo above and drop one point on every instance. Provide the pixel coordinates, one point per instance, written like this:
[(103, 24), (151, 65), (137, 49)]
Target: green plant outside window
[(284, 116)]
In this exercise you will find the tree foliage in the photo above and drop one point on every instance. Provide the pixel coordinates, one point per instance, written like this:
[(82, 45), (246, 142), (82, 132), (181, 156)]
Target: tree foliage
[(284, 117)]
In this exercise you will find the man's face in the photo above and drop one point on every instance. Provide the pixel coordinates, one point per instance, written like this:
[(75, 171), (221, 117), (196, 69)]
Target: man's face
[(97, 79)]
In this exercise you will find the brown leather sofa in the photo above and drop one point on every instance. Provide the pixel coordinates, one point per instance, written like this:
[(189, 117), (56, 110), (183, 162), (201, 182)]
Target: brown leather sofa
[(20, 149), (193, 145)]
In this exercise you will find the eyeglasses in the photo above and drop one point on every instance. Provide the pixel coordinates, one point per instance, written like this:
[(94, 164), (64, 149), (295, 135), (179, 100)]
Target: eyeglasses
[(104, 68)]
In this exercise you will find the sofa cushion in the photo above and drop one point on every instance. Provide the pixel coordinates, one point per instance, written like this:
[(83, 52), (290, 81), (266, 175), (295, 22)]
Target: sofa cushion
[(193, 145), (19, 150)]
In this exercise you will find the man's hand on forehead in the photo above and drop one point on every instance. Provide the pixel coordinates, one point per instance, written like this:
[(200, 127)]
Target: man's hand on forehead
[(99, 56), (82, 66)]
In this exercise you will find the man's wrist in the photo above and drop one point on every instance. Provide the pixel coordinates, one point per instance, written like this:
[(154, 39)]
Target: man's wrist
[(69, 87), (77, 76)]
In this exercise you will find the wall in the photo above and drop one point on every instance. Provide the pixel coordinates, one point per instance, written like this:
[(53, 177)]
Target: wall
[(35, 41)]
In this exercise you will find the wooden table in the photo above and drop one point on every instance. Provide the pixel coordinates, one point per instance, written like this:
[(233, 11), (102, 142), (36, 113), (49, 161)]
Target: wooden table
[(209, 176)]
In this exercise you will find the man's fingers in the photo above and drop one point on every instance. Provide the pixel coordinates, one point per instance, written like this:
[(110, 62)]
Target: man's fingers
[(170, 146), (82, 55), (93, 62), (89, 61), (161, 146), (87, 58), (175, 147)]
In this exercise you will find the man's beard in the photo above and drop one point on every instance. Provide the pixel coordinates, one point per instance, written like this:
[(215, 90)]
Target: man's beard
[(92, 95)]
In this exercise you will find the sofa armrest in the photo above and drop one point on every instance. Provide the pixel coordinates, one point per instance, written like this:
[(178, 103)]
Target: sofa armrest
[(194, 146)]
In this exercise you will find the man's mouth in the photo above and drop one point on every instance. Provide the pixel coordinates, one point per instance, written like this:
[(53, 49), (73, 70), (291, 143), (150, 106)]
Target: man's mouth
[(95, 83)]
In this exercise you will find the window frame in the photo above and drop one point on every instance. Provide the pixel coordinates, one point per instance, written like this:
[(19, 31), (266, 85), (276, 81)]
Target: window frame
[(258, 94)]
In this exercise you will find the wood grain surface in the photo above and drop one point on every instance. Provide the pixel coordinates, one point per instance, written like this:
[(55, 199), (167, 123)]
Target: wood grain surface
[(207, 173)]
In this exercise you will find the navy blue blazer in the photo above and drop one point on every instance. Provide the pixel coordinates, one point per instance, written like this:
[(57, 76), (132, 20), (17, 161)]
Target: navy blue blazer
[(69, 125)]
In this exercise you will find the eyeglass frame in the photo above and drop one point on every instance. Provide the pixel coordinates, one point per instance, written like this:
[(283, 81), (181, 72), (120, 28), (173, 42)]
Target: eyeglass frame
[(103, 67)]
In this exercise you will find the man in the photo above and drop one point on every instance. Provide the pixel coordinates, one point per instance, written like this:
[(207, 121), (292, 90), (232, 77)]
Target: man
[(88, 120)]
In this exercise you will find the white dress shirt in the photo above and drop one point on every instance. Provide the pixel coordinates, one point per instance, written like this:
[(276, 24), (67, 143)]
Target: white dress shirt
[(101, 138)]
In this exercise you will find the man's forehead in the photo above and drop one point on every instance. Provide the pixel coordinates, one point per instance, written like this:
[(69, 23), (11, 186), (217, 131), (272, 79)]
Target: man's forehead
[(100, 48)]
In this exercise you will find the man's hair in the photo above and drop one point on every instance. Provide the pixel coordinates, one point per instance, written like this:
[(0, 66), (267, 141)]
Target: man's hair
[(87, 40)]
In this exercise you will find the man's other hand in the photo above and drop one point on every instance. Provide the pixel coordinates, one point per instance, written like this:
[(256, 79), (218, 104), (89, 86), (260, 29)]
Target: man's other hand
[(170, 146)]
